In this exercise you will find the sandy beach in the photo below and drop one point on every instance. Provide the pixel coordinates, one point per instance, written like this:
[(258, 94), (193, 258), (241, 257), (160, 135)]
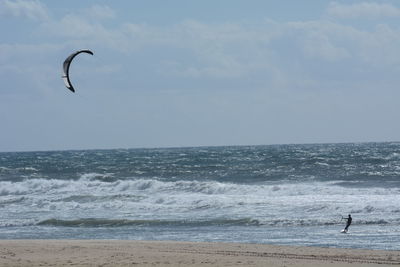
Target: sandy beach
[(163, 253)]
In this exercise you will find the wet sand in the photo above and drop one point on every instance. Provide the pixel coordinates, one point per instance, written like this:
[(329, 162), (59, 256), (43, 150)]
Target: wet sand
[(169, 253)]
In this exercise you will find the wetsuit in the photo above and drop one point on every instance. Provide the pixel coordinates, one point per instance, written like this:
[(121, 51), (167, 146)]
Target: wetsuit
[(349, 219)]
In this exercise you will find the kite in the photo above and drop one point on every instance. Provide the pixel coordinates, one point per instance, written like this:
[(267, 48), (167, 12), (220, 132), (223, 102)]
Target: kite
[(66, 65)]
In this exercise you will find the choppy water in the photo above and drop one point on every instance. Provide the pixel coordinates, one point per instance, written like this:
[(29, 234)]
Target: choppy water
[(282, 194)]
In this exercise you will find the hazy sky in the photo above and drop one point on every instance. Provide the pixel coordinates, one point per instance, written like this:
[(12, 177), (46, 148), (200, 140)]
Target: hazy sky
[(198, 73)]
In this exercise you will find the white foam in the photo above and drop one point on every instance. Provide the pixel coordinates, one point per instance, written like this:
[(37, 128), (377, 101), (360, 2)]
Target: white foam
[(150, 198), (95, 175), (4, 169)]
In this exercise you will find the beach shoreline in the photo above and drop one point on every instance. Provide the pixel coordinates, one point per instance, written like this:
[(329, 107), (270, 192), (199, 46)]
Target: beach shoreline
[(171, 253)]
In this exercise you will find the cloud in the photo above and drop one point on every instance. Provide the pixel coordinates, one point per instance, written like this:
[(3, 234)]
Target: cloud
[(266, 54), (195, 54), (27, 68), (319, 40), (363, 10), (17, 52), (100, 12), (24, 8)]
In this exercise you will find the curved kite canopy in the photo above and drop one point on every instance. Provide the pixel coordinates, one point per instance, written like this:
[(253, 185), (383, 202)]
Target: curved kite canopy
[(66, 65)]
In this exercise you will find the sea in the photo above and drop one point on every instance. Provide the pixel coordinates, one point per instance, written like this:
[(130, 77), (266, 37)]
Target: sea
[(276, 194)]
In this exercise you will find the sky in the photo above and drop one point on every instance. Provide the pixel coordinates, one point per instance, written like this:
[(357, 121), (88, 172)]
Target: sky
[(184, 73)]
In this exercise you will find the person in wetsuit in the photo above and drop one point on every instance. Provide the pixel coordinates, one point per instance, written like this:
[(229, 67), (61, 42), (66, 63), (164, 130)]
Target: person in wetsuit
[(349, 219)]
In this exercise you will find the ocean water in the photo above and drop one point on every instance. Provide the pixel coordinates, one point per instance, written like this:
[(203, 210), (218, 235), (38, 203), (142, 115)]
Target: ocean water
[(280, 194)]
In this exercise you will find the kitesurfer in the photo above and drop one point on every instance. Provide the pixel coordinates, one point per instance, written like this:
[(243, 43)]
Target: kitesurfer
[(349, 219)]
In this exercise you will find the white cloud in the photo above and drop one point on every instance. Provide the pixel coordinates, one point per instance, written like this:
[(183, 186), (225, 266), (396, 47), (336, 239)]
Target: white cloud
[(365, 10), (377, 46), (265, 54), (23, 53), (27, 66), (76, 26), (320, 40), (24, 8), (100, 12)]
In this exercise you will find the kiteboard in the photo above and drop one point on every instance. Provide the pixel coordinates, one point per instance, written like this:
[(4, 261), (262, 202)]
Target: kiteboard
[(344, 231)]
